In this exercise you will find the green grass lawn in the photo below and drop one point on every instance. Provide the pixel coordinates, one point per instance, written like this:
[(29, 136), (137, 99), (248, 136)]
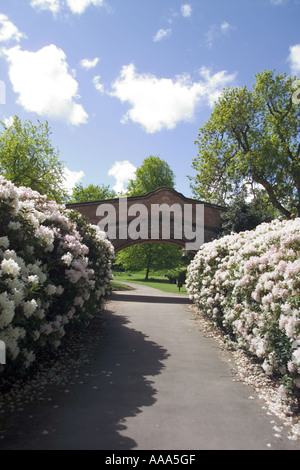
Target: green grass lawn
[(157, 280), (118, 286)]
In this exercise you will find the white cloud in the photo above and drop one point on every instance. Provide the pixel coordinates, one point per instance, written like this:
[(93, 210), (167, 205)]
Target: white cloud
[(294, 59), (161, 33), (88, 63), (79, 6), (76, 6), (9, 121), (278, 2), (51, 5), (212, 34), (216, 31), (161, 103), (186, 10), (44, 84), (2, 92), (122, 172), (96, 81), (8, 31), (226, 27), (71, 178)]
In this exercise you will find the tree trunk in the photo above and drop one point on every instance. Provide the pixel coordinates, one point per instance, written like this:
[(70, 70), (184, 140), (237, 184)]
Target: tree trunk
[(272, 196), (149, 260)]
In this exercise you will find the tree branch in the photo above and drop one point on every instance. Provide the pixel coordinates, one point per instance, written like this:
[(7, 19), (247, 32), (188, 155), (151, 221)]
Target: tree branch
[(271, 195)]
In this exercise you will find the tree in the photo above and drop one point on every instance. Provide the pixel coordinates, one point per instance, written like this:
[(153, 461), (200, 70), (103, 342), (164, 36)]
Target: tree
[(91, 193), (253, 137), (155, 256), (242, 214), (152, 174), (27, 158)]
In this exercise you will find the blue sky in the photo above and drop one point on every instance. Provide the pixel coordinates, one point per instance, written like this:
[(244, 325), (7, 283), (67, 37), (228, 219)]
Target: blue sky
[(119, 80)]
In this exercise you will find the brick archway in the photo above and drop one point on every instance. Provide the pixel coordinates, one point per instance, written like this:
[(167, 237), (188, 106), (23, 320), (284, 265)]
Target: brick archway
[(153, 202)]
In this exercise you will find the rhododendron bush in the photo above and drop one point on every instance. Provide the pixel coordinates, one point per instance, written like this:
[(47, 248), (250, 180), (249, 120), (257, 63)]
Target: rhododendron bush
[(54, 273), (249, 285)]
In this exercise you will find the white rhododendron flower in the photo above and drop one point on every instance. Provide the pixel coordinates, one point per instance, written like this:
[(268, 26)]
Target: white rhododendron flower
[(249, 284), (67, 258), (9, 266), (48, 279)]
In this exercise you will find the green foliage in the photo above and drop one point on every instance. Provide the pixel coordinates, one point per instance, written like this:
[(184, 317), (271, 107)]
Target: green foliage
[(148, 256), (91, 193), (27, 158), (55, 271), (246, 215), (248, 284), (251, 137), (157, 280), (177, 274), (154, 173)]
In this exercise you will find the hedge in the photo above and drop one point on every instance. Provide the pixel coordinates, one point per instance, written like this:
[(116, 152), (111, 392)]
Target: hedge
[(55, 271), (249, 285)]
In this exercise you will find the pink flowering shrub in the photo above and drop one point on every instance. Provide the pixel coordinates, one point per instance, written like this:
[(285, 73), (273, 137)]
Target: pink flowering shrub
[(55, 271), (249, 285)]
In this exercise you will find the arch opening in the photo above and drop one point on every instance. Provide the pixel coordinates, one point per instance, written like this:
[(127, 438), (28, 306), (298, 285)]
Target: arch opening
[(166, 262)]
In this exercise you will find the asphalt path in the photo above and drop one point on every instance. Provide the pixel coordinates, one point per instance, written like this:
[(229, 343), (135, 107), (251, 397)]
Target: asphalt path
[(153, 382)]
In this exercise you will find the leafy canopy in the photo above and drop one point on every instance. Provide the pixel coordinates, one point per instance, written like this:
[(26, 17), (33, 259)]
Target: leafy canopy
[(252, 137), (152, 174), (27, 158), (91, 193), (150, 256), (242, 214)]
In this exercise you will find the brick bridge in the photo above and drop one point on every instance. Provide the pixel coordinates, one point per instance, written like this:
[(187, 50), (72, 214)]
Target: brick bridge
[(163, 215)]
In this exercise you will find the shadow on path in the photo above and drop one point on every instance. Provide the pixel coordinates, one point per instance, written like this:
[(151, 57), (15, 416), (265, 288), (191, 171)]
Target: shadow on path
[(115, 385), (151, 299)]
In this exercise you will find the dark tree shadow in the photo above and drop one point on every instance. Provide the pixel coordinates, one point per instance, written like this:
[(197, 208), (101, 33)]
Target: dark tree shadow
[(151, 298), (111, 388)]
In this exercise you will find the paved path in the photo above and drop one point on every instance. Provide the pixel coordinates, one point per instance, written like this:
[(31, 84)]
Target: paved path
[(154, 383)]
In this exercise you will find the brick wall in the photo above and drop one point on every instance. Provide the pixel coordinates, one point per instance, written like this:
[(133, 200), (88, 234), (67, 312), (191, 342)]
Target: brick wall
[(212, 218)]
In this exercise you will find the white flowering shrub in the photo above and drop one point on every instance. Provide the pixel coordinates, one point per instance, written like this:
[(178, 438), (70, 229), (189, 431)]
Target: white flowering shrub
[(55, 271), (249, 285)]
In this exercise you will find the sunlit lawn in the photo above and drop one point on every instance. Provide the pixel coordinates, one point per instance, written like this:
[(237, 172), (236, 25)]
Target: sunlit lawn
[(156, 280)]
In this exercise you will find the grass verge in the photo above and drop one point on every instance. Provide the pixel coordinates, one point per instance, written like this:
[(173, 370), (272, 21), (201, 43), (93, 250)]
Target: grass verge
[(158, 281)]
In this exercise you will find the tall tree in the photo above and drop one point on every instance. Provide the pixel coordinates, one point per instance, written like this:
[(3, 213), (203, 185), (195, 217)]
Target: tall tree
[(27, 158), (252, 136), (91, 193), (243, 214), (152, 174)]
